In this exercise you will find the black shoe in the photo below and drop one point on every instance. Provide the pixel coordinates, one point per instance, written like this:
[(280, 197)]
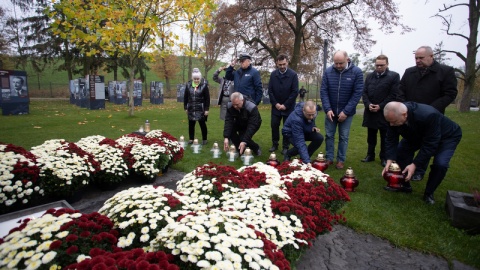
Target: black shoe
[(428, 198), (273, 148), (417, 177), (401, 189), (384, 162), (190, 142), (204, 142), (259, 152), (284, 151), (368, 158), (286, 157)]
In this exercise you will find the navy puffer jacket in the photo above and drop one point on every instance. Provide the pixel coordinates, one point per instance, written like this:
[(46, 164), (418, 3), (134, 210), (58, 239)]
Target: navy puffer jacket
[(341, 90), (295, 129)]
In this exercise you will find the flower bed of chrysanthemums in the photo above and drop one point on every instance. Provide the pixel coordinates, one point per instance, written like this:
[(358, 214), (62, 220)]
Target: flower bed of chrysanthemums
[(256, 217), (60, 168)]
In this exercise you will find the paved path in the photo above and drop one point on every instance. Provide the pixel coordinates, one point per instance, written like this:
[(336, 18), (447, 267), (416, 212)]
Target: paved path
[(341, 249)]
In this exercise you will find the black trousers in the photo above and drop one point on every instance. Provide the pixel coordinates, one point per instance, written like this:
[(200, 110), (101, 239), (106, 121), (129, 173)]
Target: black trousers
[(191, 129), (275, 126), (372, 141), (237, 138)]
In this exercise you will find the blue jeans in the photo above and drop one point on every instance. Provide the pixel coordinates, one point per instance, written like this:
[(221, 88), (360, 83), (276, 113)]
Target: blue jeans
[(343, 134)]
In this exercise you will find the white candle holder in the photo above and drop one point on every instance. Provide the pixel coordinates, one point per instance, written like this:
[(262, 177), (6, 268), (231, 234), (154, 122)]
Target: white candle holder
[(196, 147), (216, 152), (232, 153), (247, 157)]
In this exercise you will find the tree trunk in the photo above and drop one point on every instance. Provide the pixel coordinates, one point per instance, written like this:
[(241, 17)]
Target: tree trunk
[(470, 65), (131, 102)]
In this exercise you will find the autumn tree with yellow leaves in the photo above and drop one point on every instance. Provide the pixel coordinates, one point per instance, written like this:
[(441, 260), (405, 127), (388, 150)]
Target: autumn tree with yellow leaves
[(129, 28)]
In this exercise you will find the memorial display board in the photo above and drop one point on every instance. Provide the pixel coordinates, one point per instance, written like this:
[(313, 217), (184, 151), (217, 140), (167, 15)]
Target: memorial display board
[(14, 99), (96, 88), (156, 92), (180, 92)]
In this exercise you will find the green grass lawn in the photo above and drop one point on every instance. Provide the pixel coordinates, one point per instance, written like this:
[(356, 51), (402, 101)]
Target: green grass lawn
[(404, 219)]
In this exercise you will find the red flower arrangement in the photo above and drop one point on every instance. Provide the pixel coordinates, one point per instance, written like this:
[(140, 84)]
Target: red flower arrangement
[(176, 150), (130, 259), (19, 176), (58, 238)]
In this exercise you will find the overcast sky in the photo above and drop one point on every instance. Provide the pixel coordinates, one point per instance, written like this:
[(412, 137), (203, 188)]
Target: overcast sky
[(417, 14), (427, 31)]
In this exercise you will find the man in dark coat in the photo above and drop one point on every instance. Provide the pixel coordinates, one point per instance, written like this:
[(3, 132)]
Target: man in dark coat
[(242, 121), (246, 79), (283, 91), (380, 87), (429, 82), (299, 128), (423, 129)]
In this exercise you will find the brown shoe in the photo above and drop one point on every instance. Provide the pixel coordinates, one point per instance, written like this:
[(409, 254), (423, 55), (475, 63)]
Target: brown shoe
[(339, 165), (329, 162)]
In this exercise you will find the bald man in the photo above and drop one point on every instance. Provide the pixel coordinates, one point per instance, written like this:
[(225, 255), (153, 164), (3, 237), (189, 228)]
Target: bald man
[(341, 90), (423, 129)]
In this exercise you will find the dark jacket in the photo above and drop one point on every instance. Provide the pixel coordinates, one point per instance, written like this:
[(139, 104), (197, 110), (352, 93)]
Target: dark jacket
[(295, 129), (247, 118), (437, 88), (222, 82), (341, 91), (246, 81), (196, 102), (425, 128), (379, 91), (283, 89)]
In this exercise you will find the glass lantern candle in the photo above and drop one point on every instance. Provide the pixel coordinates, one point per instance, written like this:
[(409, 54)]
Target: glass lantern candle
[(232, 153), (320, 163), (181, 141), (196, 147), (394, 176), (272, 160), (247, 157), (349, 182), (216, 150)]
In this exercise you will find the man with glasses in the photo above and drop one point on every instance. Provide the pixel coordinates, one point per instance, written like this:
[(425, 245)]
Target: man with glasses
[(299, 128), (380, 88), (242, 121), (246, 79), (341, 90), (428, 82), (283, 91)]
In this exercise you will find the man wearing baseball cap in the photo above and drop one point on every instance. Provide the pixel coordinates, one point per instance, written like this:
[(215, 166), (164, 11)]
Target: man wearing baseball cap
[(246, 79)]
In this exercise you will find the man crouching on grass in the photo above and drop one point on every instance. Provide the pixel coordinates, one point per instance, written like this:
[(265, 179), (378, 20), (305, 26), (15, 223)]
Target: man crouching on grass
[(425, 129)]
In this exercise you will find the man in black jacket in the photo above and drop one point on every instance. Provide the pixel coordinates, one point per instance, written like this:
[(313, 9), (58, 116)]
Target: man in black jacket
[(429, 82), (242, 121), (423, 129), (283, 91), (380, 87)]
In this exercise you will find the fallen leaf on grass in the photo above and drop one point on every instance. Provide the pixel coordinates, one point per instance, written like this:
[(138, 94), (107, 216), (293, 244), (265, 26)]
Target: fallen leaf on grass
[(113, 126), (36, 127)]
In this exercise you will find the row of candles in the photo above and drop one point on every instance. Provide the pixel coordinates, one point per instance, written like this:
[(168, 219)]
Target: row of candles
[(232, 153), (349, 182)]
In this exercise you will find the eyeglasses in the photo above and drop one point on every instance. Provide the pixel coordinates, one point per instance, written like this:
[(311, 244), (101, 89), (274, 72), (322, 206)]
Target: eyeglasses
[(380, 65)]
